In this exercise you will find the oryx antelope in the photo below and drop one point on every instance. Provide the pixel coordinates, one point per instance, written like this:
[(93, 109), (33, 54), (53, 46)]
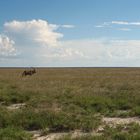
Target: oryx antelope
[(30, 72)]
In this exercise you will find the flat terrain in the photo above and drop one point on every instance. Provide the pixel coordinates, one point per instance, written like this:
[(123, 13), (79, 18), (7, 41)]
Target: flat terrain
[(70, 103)]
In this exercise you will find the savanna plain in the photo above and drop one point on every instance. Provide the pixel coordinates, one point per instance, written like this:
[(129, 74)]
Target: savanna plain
[(70, 104)]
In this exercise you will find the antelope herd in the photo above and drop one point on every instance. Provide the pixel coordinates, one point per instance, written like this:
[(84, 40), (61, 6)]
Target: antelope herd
[(30, 72)]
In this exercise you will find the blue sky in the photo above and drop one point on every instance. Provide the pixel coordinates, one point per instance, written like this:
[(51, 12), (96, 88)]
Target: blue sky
[(84, 33)]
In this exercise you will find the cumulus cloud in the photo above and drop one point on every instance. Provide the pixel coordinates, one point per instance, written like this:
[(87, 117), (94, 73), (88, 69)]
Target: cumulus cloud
[(38, 31), (35, 31), (63, 53), (106, 52), (41, 43), (38, 39), (7, 48)]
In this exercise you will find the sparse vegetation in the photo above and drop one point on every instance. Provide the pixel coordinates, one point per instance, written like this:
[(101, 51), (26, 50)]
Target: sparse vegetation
[(11, 133), (68, 99)]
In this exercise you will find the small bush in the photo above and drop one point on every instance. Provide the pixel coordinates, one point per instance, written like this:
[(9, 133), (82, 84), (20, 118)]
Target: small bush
[(137, 110), (11, 96), (11, 133), (119, 136)]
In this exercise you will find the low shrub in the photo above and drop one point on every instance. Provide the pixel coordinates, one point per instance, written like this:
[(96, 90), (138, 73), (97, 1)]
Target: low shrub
[(11, 133)]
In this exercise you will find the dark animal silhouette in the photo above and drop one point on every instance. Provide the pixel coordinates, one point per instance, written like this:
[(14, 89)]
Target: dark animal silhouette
[(29, 72)]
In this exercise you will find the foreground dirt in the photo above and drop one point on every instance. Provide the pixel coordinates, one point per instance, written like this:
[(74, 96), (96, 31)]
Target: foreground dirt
[(120, 121), (16, 106), (106, 121)]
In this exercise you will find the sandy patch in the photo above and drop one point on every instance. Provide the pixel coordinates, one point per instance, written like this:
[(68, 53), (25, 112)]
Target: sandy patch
[(55, 136), (16, 106), (120, 121)]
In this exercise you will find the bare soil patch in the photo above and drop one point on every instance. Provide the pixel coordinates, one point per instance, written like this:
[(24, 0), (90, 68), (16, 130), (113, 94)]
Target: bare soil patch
[(16, 106), (112, 121)]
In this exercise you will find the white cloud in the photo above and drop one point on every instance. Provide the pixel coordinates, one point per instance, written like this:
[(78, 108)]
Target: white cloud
[(42, 38), (37, 39), (124, 29), (68, 26), (86, 52), (106, 52), (62, 53), (99, 26), (135, 23), (120, 22), (126, 23), (38, 31), (7, 48)]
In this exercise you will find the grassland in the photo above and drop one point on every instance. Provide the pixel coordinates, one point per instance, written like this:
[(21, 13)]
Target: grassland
[(69, 99)]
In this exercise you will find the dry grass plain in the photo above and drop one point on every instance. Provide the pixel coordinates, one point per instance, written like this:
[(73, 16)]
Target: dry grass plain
[(56, 100)]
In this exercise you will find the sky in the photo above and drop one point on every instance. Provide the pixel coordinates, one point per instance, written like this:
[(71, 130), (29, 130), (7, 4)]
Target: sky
[(69, 33)]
